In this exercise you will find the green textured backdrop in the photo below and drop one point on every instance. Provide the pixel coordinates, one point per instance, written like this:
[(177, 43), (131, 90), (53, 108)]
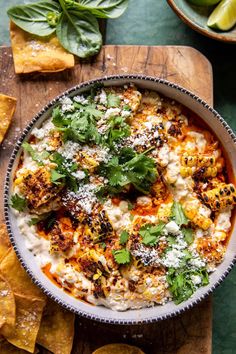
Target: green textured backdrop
[(152, 22)]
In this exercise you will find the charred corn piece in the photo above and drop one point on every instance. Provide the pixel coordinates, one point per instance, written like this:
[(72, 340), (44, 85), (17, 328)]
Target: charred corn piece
[(38, 188), (134, 97), (164, 212), (158, 188), (221, 197), (87, 161), (99, 227), (18, 180), (193, 215), (197, 161)]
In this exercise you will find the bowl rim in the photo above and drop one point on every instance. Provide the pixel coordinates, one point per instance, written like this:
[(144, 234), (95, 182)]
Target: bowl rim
[(39, 283), (222, 37)]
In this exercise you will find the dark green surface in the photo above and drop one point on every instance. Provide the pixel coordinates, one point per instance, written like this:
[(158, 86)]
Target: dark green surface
[(152, 22)]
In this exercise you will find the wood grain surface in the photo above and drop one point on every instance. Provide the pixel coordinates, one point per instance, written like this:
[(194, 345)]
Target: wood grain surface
[(191, 332)]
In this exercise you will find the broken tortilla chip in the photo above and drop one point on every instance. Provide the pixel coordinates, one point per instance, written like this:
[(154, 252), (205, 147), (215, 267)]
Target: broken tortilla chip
[(32, 53), (17, 277), (7, 109), (8, 348), (56, 331), (7, 308), (28, 317), (118, 348), (5, 243)]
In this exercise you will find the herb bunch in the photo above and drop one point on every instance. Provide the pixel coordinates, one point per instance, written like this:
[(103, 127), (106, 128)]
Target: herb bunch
[(74, 22)]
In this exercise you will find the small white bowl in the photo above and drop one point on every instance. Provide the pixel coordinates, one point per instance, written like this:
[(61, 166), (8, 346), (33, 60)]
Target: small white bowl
[(100, 313)]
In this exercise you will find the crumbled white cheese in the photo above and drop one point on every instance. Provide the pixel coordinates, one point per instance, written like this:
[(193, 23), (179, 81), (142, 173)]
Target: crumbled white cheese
[(199, 139), (111, 112), (66, 104), (173, 258), (80, 99), (196, 279), (223, 220), (79, 174), (172, 228)]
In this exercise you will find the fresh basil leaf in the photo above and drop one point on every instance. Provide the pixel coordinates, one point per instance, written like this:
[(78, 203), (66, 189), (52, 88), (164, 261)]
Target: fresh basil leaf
[(122, 256), (188, 235), (177, 214), (32, 18), (78, 32), (18, 202), (124, 237), (104, 8)]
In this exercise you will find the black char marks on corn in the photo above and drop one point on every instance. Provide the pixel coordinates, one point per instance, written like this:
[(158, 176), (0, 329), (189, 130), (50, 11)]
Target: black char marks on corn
[(60, 240), (38, 188)]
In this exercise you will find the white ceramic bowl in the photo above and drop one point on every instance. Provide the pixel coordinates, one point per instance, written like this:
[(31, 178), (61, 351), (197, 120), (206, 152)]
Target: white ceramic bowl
[(99, 313)]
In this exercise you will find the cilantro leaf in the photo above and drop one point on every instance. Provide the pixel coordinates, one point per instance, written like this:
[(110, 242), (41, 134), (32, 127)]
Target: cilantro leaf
[(36, 156), (48, 219), (188, 235), (129, 167), (124, 237), (117, 129), (63, 172), (79, 126), (151, 234), (122, 256), (181, 284), (56, 177), (18, 202), (113, 100), (177, 214)]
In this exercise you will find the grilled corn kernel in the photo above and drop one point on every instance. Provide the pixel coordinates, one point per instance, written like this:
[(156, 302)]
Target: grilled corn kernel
[(197, 161), (18, 180), (220, 197), (197, 219)]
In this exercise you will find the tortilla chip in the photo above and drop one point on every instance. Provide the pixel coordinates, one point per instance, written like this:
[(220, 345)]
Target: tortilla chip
[(7, 308), (56, 331), (28, 317), (17, 277), (8, 348), (5, 243), (32, 53), (7, 109), (118, 348)]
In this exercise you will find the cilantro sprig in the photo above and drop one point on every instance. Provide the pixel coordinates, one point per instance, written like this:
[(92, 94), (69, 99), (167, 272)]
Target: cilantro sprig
[(79, 126), (117, 129), (151, 233), (129, 167), (48, 220), (38, 157), (124, 236), (122, 256), (181, 284), (62, 174), (18, 203), (113, 100), (177, 214)]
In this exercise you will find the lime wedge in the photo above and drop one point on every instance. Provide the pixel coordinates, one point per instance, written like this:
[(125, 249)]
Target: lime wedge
[(224, 15), (204, 2)]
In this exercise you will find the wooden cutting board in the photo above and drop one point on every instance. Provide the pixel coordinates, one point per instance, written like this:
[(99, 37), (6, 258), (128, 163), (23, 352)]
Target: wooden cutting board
[(189, 333)]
